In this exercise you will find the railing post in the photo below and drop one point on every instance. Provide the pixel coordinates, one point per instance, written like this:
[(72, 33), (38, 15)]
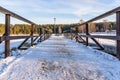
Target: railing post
[(32, 30), (40, 34), (40, 29), (118, 33), (71, 33), (76, 34), (7, 33), (87, 33), (44, 33)]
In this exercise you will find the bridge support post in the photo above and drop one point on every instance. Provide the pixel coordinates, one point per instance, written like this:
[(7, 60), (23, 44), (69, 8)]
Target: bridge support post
[(71, 33), (32, 31), (40, 34), (44, 34), (7, 33), (118, 33), (87, 33), (76, 34)]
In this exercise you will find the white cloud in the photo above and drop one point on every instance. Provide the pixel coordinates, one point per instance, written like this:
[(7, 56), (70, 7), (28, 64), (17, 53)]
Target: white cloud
[(35, 9)]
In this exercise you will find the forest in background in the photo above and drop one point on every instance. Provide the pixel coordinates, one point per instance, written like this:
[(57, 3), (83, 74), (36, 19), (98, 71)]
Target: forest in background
[(26, 28)]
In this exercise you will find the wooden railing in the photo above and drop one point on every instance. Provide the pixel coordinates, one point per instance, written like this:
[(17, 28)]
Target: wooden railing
[(87, 35), (6, 36)]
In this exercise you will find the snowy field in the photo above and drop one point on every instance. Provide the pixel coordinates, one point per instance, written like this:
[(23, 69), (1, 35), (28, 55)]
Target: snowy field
[(107, 42), (13, 43), (59, 58)]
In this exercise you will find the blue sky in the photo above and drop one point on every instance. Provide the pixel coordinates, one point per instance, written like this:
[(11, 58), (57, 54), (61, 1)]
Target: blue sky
[(65, 11)]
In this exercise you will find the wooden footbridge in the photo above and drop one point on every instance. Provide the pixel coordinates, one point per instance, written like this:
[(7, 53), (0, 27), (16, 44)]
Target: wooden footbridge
[(43, 36)]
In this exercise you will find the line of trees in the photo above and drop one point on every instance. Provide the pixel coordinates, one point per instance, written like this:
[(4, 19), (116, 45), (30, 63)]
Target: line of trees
[(59, 28), (98, 27), (19, 29)]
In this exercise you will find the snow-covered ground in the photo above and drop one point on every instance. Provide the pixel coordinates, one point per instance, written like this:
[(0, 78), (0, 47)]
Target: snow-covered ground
[(13, 43), (59, 58), (107, 42)]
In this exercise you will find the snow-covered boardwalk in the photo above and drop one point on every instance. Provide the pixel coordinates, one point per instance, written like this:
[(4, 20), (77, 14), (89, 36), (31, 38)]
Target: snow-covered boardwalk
[(61, 59)]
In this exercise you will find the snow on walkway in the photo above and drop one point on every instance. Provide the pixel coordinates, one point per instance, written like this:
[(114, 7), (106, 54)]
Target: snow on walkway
[(61, 59)]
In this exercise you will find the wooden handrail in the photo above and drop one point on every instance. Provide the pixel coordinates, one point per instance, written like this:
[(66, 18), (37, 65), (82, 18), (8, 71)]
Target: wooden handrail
[(102, 37), (101, 16), (2, 38), (5, 11)]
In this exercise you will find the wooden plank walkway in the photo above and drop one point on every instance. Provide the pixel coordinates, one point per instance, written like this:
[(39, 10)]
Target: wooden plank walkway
[(61, 59)]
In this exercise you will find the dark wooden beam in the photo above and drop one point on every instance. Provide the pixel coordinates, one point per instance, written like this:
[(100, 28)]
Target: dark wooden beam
[(102, 37), (93, 38), (81, 39), (19, 47), (71, 33), (87, 33), (118, 33), (40, 34), (7, 33), (40, 38), (76, 34), (32, 32), (101, 16), (44, 34), (35, 39), (101, 47), (40, 31), (5, 11), (3, 38)]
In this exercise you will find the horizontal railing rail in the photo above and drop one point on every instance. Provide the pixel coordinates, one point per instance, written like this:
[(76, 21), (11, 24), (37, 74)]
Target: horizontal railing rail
[(103, 37), (5, 11), (101, 16)]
